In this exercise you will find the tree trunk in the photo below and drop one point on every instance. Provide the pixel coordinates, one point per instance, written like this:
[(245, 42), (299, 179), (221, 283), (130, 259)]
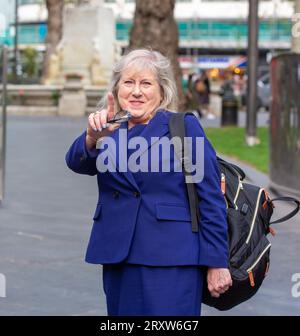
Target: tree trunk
[(54, 30), (154, 27)]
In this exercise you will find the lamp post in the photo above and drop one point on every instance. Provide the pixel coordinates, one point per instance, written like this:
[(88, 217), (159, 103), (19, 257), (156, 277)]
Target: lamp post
[(16, 42), (253, 22), (3, 123)]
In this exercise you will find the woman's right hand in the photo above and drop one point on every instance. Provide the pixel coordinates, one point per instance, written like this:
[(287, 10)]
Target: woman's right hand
[(97, 123), (218, 281)]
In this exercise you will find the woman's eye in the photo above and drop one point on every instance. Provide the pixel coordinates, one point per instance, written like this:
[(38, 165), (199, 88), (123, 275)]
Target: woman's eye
[(128, 82), (146, 84)]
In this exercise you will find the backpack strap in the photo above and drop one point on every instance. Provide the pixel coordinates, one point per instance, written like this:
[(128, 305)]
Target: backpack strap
[(232, 167), (289, 215), (177, 129)]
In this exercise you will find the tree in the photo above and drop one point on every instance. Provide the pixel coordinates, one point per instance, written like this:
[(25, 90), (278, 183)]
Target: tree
[(54, 30), (154, 27)]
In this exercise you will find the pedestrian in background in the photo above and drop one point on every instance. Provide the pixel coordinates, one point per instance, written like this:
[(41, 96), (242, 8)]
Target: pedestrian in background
[(191, 95), (202, 87)]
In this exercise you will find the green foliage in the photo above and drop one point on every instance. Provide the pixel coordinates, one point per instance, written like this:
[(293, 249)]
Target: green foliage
[(30, 61), (55, 95), (231, 141)]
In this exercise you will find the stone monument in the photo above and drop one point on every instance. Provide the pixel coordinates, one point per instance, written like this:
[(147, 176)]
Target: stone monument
[(73, 100), (86, 54), (88, 39)]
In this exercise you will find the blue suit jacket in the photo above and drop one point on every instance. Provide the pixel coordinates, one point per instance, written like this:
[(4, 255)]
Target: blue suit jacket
[(148, 222)]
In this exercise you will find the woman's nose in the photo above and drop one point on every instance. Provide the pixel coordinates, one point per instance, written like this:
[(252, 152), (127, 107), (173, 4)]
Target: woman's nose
[(137, 90)]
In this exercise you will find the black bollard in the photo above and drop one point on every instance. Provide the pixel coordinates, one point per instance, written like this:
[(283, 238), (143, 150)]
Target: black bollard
[(229, 115)]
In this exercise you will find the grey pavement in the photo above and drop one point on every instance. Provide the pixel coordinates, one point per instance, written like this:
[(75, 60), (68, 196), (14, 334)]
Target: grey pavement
[(45, 222)]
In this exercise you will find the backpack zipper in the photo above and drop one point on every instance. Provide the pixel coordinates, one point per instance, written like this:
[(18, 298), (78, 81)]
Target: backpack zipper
[(223, 183), (223, 188), (237, 194), (249, 270), (254, 216)]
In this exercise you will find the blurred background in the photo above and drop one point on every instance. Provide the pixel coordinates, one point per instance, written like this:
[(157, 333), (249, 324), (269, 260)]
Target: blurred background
[(212, 38), (237, 66)]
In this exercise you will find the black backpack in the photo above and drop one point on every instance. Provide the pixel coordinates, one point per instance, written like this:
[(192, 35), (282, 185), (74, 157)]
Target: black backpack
[(249, 211)]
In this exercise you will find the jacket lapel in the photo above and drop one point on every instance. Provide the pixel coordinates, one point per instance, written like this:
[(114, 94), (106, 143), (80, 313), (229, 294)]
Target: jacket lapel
[(157, 128), (121, 155)]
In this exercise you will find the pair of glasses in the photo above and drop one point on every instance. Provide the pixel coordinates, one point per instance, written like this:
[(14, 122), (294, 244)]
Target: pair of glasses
[(120, 117)]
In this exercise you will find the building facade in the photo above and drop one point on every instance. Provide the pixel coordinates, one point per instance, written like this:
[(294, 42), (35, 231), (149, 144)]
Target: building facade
[(210, 32)]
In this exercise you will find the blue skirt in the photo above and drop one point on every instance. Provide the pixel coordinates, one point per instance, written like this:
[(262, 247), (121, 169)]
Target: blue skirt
[(136, 290)]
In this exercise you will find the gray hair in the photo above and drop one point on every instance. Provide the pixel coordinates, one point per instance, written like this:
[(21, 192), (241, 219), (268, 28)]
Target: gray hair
[(145, 59)]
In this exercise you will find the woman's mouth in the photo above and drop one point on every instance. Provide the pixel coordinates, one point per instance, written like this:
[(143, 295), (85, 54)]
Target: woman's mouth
[(136, 103)]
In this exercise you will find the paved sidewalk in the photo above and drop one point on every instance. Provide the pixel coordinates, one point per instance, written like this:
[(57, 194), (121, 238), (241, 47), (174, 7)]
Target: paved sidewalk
[(45, 222), (262, 120)]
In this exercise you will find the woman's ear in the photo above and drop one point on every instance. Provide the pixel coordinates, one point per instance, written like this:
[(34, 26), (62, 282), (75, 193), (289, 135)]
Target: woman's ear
[(161, 95)]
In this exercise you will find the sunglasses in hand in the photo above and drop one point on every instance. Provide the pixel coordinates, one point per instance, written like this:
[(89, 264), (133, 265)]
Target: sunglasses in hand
[(118, 118)]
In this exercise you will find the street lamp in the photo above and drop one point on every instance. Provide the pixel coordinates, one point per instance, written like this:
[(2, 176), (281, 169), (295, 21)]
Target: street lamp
[(253, 23), (3, 121), (16, 41)]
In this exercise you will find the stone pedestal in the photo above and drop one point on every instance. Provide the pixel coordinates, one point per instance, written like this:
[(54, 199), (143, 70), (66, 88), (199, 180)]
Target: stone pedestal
[(87, 48), (73, 101)]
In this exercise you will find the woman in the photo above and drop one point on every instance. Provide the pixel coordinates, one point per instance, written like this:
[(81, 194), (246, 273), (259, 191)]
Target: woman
[(192, 97), (202, 87), (153, 264)]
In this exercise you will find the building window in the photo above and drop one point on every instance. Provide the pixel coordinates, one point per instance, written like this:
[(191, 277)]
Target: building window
[(29, 2)]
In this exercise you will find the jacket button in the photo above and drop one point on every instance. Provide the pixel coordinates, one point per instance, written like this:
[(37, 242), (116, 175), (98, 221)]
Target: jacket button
[(136, 194), (115, 194)]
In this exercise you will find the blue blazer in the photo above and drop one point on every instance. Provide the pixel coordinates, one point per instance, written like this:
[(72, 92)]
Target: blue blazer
[(144, 218)]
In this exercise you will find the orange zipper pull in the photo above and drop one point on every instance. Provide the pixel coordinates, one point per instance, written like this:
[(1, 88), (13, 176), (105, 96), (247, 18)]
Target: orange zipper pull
[(251, 278), (223, 184), (265, 204), (272, 231)]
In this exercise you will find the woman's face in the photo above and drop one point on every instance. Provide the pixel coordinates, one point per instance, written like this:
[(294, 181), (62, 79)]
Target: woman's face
[(139, 93)]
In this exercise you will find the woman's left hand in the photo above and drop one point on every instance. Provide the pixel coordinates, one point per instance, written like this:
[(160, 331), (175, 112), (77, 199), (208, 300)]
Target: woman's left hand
[(218, 281)]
